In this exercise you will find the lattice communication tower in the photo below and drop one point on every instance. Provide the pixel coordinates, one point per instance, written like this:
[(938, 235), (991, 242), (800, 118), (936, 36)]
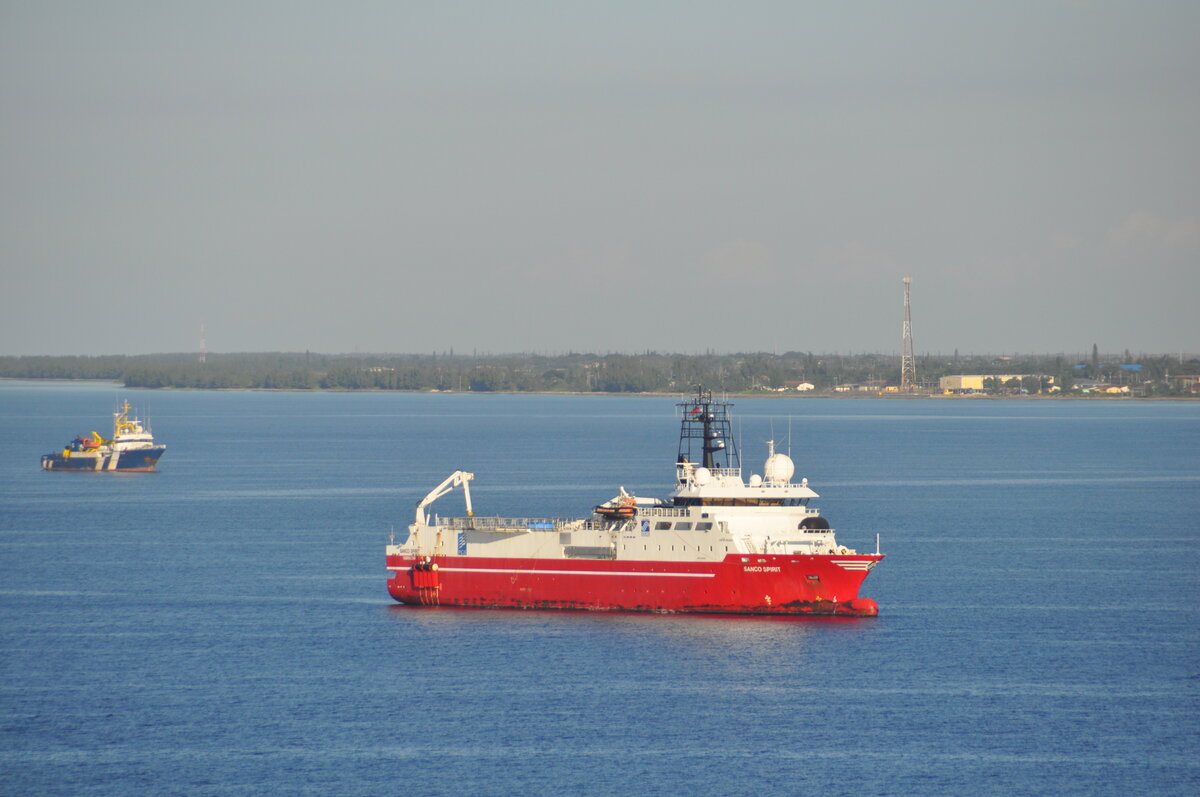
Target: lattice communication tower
[(908, 366)]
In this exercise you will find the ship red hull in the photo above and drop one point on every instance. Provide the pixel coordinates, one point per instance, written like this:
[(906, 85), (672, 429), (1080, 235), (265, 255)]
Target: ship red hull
[(753, 584)]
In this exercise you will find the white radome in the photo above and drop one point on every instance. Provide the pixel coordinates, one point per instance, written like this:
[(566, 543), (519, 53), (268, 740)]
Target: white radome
[(779, 468)]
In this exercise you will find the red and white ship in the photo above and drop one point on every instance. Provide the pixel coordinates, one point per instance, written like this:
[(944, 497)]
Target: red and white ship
[(718, 545)]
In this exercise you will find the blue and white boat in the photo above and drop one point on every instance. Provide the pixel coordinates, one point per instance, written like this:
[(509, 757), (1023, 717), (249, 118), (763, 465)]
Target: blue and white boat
[(132, 448)]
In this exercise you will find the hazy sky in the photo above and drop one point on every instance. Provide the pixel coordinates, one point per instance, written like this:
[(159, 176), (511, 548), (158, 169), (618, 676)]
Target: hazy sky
[(670, 176)]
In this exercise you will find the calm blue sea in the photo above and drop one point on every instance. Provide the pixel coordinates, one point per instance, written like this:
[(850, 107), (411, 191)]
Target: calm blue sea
[(222, 626)]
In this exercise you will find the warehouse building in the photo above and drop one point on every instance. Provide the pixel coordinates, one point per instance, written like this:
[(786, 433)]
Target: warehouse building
[(974, 383)]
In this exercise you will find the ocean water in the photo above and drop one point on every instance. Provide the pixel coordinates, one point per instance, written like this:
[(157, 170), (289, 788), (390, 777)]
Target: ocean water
[(222, 626)]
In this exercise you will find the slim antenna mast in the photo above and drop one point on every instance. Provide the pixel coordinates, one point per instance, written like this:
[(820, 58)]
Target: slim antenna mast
[(908, 366)]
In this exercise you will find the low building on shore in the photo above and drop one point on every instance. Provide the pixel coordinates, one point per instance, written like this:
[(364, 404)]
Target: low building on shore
[(979, 383)]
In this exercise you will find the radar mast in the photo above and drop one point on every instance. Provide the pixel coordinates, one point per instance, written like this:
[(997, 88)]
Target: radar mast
[(706, 427)]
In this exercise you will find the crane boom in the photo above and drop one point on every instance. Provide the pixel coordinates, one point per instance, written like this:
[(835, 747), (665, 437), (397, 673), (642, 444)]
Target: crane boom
[(460, 478)]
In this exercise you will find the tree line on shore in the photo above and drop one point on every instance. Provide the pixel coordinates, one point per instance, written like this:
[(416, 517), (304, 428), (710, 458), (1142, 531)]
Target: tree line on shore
[(575, 372)]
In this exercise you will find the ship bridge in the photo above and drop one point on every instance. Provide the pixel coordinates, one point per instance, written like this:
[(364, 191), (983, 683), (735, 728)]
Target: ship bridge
[(708, 469), (724, 486)]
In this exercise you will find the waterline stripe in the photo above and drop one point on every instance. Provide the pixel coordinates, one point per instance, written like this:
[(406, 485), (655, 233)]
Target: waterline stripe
[(562, 572)]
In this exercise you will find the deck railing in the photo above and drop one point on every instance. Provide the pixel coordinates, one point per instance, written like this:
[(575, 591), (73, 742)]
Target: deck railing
[(512, 524), (662, 511)]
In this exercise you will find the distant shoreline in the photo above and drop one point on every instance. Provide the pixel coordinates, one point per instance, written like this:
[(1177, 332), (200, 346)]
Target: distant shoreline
[(875, 396), (746, 374)]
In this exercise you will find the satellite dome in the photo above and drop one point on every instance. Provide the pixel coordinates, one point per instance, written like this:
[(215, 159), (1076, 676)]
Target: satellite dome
[(779, 468), (702, 476)]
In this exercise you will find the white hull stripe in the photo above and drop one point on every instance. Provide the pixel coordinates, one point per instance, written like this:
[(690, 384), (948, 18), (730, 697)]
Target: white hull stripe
[(561, 572), (853, 564)]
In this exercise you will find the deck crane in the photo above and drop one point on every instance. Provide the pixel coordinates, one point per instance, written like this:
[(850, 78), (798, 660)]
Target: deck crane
[(459, 478)]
